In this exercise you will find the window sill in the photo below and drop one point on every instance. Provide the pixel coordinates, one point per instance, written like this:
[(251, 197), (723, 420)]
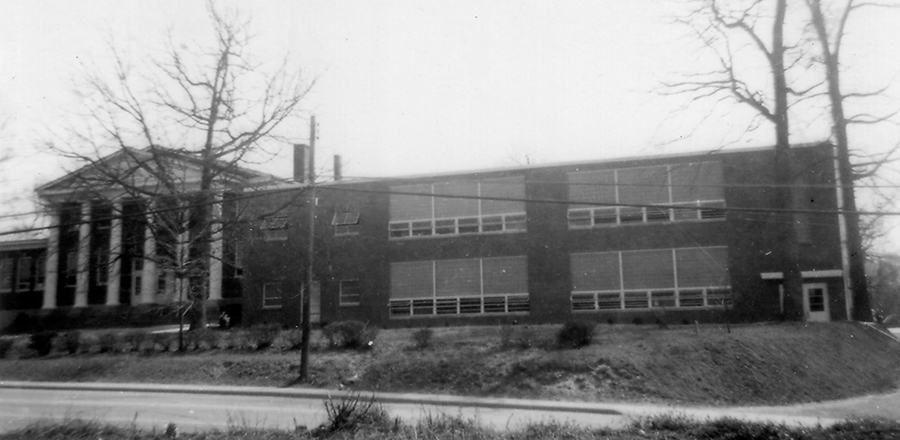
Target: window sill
[(349, 305)]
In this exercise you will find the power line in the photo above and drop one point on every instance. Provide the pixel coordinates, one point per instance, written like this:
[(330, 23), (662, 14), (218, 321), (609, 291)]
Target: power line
[(267, 193)]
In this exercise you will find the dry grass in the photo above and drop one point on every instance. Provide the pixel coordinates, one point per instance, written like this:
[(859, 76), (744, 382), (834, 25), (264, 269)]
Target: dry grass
[(754, 364)]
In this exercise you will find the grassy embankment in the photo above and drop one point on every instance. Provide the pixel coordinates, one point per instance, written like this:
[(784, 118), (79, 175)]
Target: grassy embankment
[(754, 364)]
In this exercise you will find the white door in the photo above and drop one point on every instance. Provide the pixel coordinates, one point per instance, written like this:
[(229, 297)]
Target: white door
[(815, 302)]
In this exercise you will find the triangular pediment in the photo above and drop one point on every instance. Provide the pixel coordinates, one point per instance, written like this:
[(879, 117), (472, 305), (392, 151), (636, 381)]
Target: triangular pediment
[(142, 172)]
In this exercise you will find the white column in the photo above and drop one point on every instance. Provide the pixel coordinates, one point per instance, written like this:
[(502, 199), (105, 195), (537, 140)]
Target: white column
[(148, 274), (215, 252), (113, 282), (52, 266), (83, 275)]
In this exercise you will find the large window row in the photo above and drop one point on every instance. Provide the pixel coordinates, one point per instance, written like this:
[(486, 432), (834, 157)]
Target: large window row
[(455, 208), (658, 278), (470, 286), (690, 191), (458, 226)]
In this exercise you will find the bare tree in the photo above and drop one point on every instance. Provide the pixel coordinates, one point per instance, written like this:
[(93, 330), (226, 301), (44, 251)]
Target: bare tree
[(830, 30), (725, 27), (182, 130)]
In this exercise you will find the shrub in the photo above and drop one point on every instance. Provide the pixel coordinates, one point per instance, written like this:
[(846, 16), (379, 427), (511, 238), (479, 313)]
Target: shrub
[(575, 334), (352, 413), (72, 341), (210, 339), (6, 345), (41, 342), (264, 335), (350, 334), (135, 339), (108, 342), (293, 339), (164, 340), (422, 338)]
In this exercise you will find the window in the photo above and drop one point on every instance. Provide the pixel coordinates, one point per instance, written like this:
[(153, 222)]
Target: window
[(71, 269), (457, 208), (40, 269), (459, 287), (238, 261), (101, 268), (24, 274), (6, 274), (350, 293), (658, 278), (275, 228), (136, 272), (272, 296), (346, 223), (679, 192)]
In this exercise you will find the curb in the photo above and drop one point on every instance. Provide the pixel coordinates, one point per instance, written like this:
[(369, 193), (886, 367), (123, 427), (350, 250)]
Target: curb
[(311, 393)]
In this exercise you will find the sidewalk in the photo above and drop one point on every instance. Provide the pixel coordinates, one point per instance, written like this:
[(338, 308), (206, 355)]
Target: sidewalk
[(793, 415)]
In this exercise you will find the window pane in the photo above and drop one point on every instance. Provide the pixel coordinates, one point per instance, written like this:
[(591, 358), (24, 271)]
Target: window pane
[(445, 207), (583, 301), (445, 226), (580, 218), (631, 214), (468, 225), (662, 298), (421, 228), (690, 298), (636, 300), (412, 280), (702, 267), (458, 277), (515, 222), (507, 188), (411, 207), (605, 216), (592, 186), (644, 185), (598, 271), (492, 224), (505, 275), (399, 229), (697, 181), (648, 269), (609, 301)]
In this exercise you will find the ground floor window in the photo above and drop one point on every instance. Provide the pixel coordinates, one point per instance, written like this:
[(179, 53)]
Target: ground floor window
[(272, 296), (459, 287), (646, 279), (350, 293)]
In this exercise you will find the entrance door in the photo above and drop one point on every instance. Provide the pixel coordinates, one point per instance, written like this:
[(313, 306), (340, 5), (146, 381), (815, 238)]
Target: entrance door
[(315, 303), (815, 302)]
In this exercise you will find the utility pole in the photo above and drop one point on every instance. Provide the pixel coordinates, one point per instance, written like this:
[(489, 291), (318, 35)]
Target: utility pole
[(311, 175)]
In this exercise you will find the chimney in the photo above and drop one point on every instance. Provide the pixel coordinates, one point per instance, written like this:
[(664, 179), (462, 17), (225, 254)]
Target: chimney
[(301, 163), (338, 173)]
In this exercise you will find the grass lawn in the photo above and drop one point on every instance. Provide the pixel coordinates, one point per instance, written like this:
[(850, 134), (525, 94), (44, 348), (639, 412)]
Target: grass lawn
[(754, 364)]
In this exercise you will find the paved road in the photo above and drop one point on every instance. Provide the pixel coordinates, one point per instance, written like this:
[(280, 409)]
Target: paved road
[(18, 407)]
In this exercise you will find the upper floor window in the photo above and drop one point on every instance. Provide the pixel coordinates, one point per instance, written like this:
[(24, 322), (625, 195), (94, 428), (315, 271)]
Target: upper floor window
[(460, 207), (346, 223), (690, 191), (275, 228)]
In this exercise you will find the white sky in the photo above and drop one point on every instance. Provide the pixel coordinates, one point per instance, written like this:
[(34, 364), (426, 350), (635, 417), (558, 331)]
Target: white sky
[(409, 87)]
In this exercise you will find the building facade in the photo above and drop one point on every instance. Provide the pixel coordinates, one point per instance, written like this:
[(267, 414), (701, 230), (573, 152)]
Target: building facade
[(674, 239), (677, 239)]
